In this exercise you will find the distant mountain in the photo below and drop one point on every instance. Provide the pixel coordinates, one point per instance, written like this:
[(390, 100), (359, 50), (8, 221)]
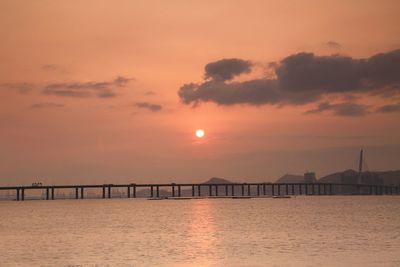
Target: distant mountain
[(216, 180), (374, 177), (291, 178)]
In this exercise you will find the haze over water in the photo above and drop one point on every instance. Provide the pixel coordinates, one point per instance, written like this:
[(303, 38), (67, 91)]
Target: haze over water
[(301, 231)]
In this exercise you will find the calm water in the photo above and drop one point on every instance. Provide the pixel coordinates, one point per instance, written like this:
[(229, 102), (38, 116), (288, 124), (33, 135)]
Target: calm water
[(302, 231)]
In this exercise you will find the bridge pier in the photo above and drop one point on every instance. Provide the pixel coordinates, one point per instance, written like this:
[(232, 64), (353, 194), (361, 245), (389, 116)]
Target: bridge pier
[(258, 190), (179, 191), (279, 189), (287, 189), (158, 191), (109, 191), (18, 194), (226, 190), (134, 190), (292, 189), (128, 191), (104, 192), (248, 190), (47, 193), (242, 190), (52, 193), (192, 190), (300, 189), (199, 190), (233, 190), (151, 191), (273, 189), (82, 192), (264, 189), (216, 190), (76, 193)]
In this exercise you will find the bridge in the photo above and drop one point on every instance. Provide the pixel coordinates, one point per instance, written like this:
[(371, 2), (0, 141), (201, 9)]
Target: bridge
[(232, 190)]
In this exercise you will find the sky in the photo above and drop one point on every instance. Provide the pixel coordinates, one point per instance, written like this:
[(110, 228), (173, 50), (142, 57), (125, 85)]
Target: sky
[(113, 91)]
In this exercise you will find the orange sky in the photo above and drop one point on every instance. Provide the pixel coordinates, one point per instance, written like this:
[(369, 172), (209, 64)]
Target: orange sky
[(159, 46)]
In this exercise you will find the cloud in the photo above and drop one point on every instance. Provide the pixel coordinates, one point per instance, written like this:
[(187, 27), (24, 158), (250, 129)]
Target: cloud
[(389, 108), (333, 44), (22, 88), (149, 106), (226, 69), (103, 89), (54, 68), (342, 109), (47, 105), (300, 79)]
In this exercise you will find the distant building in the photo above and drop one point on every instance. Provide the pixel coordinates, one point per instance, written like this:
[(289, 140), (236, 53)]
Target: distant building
[(309, 177)]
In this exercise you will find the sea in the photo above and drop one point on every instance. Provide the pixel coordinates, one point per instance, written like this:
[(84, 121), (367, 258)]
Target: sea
[(300, 231)]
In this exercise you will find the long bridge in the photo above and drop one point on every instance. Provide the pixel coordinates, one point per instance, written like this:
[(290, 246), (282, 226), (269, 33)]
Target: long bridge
[(208, 190)]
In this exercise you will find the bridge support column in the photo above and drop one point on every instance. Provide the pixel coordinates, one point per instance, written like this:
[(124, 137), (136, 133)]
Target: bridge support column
[(82, 192), (273, 189), (264, 189), (128, 191), (300, 189), (210, 190), (104, 192), (109, 191), (242, 189), (233, 190), (293, 189), (216, 190), (173, 190), (287, 189), (226, 190), (158, 191), (258, 190), (52, 193), (17, 194), (279, 189), (76, 193), (192, 190), (151, 191), (22, 194), (248, 190), (179, 191), (134, 191), (319, 189), (199, 190), (47, 193)]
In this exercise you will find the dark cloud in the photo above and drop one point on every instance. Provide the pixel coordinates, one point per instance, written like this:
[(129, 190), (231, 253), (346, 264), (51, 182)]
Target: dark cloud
[(300, 79), (21, 88), (389, 108), (341, 109), (333, 44), (150, 106), (226, 69), (84, 89), (47, 105)]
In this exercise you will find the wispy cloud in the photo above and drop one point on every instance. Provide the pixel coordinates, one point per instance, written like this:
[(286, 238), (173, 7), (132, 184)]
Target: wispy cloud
[(22, 88), (104, 89), (342, 109), (54, 68), (389, 108), (46, 105), (150, 106)]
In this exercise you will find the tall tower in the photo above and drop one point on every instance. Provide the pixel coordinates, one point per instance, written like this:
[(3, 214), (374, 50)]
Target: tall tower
[(360, 167)]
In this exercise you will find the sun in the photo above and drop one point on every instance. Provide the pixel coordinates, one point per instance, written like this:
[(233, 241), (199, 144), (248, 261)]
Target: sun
[(200, 133)]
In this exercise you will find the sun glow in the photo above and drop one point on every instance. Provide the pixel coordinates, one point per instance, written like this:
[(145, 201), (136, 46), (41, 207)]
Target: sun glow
[(200, 133)]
